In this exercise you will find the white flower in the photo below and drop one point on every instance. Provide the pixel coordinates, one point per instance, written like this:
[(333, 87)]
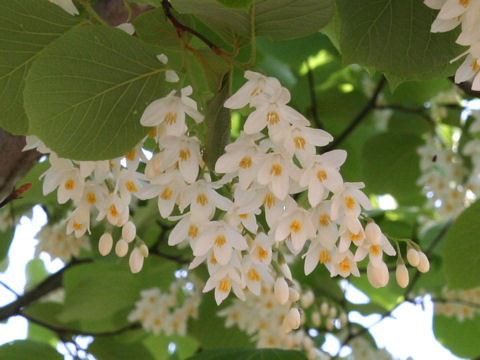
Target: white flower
[(183, 151), (344, 264), (66, 177), (225, 279), (378, 274), (256, 85), (276, 171), (322, 175), (261, 248), (256, 274), (319, 252), (115, 209), (170, 111), (185, 229), (220, 236), (79, 221), (297, 225), (375, 249)]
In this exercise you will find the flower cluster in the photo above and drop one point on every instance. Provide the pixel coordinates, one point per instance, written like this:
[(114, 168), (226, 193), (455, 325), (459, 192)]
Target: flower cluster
[(465, 13), (363, 350), (463, 304), (168, 311)]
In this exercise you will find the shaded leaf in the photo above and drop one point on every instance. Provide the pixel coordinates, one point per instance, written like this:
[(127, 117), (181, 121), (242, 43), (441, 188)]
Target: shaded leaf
[(86, 92), (27, 27), (27, 350), (250, 354), (460, 337), (109, 349)]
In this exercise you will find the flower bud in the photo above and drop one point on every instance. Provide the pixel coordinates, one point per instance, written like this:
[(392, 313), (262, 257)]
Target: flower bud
[(129, 231), (307, 299), (324, 308), (378, 276), (281, 290), (424, 264), (105, 244), (373, 233), (413, 257), (286, 271), (293, 295), (293, 318), (333, 312), (143, 250), (343, 319), (401, 275), (135, 261), (121, 248)]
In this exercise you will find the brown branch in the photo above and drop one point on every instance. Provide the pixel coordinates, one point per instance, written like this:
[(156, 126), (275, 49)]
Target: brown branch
[(167, 7), (359, 118), (51, 283), (15, 194)]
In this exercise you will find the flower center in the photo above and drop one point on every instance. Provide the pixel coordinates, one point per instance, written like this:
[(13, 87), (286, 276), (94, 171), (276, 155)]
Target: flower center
[(253, 275), (220, 241), (375, 250), (272, 118), (257, 91), (345, 265), (213, 259), (322, 175), (77, 226), (113, 211), (295, 226), (349, 202), (224, 285), (262, 253), (193, 231), (269, 200), (171, 118), (166, 193), (299, 142), (324, 219), (324, 256), (276, 170), (69, 184), (130, 185), (91, 198), (355, 237), (245, 163), (184, 154), (131, 154), (202, 199)]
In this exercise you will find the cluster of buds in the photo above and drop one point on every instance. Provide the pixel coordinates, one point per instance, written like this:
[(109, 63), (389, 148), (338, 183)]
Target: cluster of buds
[(169, 311), (467, 14), (463, 304), (53, 240), (328, 315)]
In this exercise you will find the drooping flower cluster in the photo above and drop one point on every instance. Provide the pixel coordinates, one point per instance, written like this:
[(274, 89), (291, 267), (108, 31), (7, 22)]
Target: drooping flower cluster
[(169, 311), (463, 304), (467, 14), (363, 350)]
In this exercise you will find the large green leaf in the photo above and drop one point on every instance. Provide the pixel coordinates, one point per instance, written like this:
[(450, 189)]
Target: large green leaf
[(390, 164), (109, 349), (250, 354), (274, 19), (460, 337), (97, 291), (461, 253), (27, 350), (394, 36), (86, 92), (6, 238), (27, 27)]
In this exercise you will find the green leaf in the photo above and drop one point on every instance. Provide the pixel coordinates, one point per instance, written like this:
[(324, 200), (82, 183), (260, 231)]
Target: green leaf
[(394, 37), (109, 349), (27, 350), (274, 19), (250, 354), (387, 297), (208, 328), (6, 238), (97, 291), (460, 253), (27, 27), (460, 337), (218, 125), (158, 346), (35, 272), (391, 166), (287, 19), (86, 92)]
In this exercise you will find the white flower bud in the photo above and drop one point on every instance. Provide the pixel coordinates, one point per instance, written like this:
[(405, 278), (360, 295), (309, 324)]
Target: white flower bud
[(324, 308), (129, 231), (343, 319), (424, 264), (329, 324), (105, 244), (135, 261), (294, 295), (402, 275), (293, 318), (378, 276), (373, 233), (281, 290), (121, 248), (143, 250), (286, 327), (413, 257), (286, 271), (307, 299), (171, 76), (316, 319), (333, 312)]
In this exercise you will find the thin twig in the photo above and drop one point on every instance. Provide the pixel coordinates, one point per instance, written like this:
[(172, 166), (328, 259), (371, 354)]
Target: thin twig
[(358, 119), (9, 288), (417, 111), (15, 194), (181, 28)]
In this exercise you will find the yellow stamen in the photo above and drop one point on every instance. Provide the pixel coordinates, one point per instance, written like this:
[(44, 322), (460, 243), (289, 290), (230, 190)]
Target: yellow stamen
[(276, 170), (324, 256), (245, 163), (220, 240), (91, 198), (299, 142), (253, 275), (113, 211), (464, 3), (475, 66), (375, 250), (69, 184), (213, 259), (202, 199), (243, 216), (256, 91), (272, 117), (166, 193), (262, 253), (349, 202), (295, 226), (224, 285), (324, 219), (345, 265), (77, 226), (171, 118), (184, 154), (269, 200), (355, 237), (192, 231), (131, 154), (322, 175), (130, 185)]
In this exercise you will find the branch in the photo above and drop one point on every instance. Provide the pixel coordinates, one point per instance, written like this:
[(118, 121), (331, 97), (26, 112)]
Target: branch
[(15, 194), (358, 119), (64, 331), (51, 283), (181, 28)]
